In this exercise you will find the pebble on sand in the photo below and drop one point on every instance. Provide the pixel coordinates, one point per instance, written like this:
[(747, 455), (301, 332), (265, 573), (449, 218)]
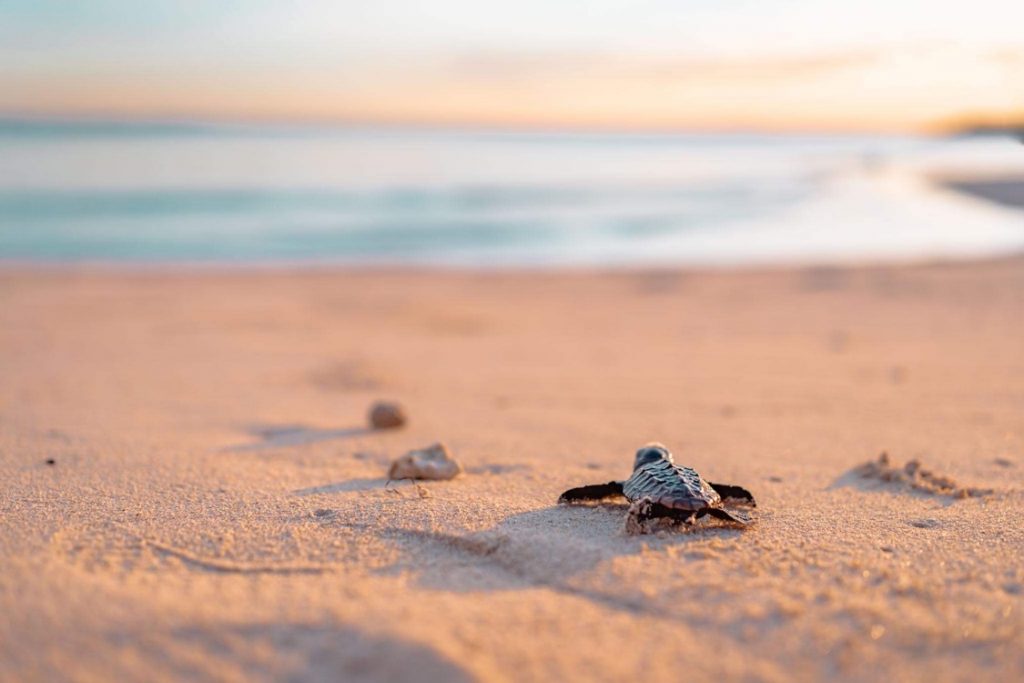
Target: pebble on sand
[(387, 415), (433, 462)]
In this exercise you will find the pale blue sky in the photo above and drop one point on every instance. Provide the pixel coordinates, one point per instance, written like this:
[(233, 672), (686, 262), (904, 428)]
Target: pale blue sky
[(891, 63)]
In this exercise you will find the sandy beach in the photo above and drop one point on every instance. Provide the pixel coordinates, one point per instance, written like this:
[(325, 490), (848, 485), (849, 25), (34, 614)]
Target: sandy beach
[(217, 510), (1004, 189)]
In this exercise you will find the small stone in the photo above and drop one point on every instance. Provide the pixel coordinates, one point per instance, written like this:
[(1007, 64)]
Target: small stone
[(926, 523), (51, 461), (387, 415), (433, 462)]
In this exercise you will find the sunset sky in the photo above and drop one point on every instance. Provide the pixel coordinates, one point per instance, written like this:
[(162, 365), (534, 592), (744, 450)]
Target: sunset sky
[(698, 64)]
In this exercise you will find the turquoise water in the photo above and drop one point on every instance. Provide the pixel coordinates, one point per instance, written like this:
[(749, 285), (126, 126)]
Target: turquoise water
[(161, 193)]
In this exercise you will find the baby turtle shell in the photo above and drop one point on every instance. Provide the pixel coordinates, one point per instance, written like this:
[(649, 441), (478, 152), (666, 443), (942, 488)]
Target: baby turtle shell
[(657, 478), (659, 488)]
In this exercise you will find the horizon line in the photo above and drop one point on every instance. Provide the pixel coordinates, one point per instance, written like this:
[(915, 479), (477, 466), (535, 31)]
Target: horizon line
[(949, 126)]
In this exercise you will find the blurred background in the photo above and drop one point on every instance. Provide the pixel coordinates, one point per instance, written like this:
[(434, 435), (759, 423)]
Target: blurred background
[(606, 132)]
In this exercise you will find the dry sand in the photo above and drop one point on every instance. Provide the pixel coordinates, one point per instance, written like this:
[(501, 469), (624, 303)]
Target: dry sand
[(216, 509)]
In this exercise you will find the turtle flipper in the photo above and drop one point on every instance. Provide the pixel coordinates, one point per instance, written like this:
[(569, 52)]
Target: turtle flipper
[(737, 493), (645, 516), (646, 510), (724, 515), (592, 492)]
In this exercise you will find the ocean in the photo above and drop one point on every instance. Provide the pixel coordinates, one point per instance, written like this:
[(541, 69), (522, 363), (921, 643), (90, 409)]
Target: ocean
[(233, 194)]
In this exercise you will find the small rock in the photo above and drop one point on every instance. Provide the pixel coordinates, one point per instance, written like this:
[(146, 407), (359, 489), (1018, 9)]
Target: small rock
[(51, 461), (434, 462), (387, 415), (926, 523)]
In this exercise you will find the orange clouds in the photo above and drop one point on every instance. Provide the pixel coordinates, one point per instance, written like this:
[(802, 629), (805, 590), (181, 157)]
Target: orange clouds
[(867, 89)]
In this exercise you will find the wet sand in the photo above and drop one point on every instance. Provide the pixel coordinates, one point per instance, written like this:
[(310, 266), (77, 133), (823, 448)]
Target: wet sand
[(1005, 190), (216, 508)]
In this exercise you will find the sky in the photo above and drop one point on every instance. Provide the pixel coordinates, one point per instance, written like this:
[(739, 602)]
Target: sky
[(872, 65)]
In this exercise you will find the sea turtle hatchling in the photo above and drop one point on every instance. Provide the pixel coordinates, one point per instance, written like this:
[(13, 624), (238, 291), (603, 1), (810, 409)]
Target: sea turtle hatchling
[(659, 488)]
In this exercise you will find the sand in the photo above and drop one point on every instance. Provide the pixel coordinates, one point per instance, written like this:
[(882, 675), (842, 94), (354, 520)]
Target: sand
[(217, 510), (1007, 190)]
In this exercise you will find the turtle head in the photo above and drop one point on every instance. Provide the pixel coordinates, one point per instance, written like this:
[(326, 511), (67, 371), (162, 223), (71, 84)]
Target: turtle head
[(652, 452)]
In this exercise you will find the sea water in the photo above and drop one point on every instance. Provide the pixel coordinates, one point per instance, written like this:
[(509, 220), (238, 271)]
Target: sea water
[(232, 194)]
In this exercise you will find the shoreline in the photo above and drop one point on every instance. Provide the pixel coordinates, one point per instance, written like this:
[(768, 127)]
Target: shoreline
[(1005, 190), (868, 204), (186, 268)]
